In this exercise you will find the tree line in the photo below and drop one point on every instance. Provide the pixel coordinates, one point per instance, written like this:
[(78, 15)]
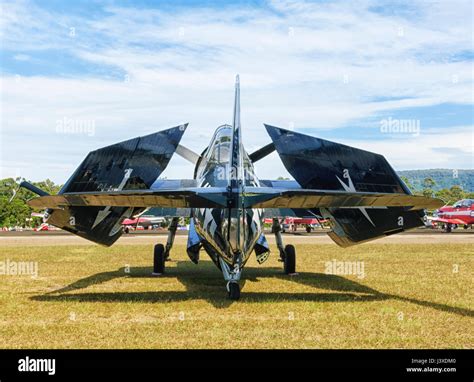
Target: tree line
[(17, 213), (429, 189)]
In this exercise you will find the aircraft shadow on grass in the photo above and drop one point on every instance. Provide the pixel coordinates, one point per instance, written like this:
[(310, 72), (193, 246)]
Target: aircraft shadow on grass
[(206, 283)]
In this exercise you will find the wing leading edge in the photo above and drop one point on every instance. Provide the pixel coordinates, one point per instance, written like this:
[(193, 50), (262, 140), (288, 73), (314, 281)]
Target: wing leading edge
[(216, 197), (259, 197), (210, 197)]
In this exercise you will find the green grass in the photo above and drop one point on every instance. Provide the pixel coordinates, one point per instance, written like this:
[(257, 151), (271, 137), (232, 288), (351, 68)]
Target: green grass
[(83, 298)]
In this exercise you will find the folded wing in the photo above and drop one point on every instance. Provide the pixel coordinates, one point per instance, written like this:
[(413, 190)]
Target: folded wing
[(357, 190), (134, 164)]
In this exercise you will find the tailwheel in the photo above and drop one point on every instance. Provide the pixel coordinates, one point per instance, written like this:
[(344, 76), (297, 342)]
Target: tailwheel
[(233, 290), (290, 260), (158, 260)]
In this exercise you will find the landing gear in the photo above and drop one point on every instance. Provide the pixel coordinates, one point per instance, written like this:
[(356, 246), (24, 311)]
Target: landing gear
[(173, 227), (289, 260), (308, 228), (233, 290), (232, 276), (277, 230), (162, 253), (288, 253), (159, 260), (448, 228)]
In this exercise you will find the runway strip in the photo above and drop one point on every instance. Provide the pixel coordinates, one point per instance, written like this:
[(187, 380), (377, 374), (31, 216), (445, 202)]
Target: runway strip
[(425, 238)]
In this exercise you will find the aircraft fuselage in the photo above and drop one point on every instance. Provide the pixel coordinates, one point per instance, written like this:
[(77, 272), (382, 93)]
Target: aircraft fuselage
[(229, 233)]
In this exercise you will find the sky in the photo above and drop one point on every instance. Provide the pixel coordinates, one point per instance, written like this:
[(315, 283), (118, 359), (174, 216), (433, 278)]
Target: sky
[(392, 77)]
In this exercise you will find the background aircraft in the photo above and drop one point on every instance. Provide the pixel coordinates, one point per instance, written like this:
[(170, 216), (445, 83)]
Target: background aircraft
[(146, 219), (460, 213), (291, 224), (356, 190)]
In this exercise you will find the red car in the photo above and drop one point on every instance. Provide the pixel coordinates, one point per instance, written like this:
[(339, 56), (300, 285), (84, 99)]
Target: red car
[(461, 213)]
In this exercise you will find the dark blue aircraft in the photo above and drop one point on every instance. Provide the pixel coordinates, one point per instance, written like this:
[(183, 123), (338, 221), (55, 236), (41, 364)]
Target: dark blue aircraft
[(356, 190)]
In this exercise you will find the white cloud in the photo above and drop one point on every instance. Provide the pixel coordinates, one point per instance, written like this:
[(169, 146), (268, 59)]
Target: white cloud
[(443, 149), (301, 64), (21, 57)]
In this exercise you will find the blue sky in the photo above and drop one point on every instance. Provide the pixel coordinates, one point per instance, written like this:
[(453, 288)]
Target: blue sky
[(112, 70)]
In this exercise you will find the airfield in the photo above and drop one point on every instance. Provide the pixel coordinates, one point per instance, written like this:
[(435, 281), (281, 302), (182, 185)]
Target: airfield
[(415, 292)]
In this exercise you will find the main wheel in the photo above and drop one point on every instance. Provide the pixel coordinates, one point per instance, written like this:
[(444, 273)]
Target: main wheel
[(448, 228), (159, 260), (234, 290), (308, 229), (290, 259)]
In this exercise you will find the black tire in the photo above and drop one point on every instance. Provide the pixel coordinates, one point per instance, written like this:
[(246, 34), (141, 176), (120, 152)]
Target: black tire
[(290, 259), (448, 228), (159, 259), (308, 229), (234, 291)]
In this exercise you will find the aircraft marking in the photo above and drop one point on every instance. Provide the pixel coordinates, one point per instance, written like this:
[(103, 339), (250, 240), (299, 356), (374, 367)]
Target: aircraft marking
[(102, 214), (351, 188)]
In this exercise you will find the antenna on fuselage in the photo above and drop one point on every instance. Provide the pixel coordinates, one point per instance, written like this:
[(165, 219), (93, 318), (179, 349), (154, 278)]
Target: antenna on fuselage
[(236, 164)]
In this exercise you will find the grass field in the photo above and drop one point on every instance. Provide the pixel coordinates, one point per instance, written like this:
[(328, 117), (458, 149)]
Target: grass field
[(412, 296)]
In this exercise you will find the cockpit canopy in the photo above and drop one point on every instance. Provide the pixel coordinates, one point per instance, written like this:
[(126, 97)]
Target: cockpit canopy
[(464, 203), (219, 149)]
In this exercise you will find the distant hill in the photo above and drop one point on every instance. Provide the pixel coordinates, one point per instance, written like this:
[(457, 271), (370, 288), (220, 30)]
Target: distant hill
[(444, 178)]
